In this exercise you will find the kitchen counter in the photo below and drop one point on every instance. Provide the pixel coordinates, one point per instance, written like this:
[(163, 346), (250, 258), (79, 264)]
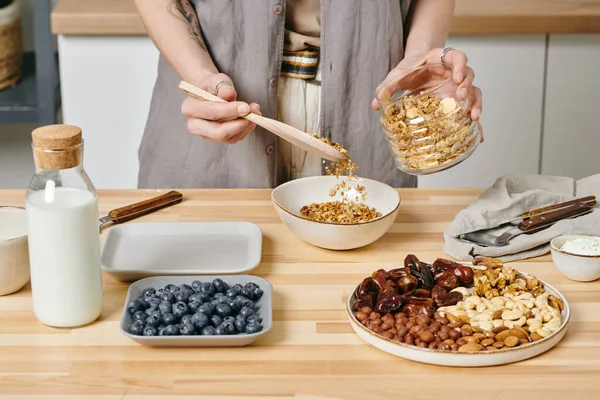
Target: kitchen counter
[(119, 17), (311, 353)]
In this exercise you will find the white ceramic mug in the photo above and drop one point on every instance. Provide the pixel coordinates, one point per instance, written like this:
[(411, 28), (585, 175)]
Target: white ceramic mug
[(14, 251)]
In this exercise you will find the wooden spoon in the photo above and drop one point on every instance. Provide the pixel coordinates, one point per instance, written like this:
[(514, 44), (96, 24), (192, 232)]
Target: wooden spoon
[(295, 136)]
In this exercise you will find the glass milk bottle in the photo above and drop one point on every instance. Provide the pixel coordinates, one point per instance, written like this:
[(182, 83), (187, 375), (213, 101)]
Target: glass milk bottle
[(64, 239)]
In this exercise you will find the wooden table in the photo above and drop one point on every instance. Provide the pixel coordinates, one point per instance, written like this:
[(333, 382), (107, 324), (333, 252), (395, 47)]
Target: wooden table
[(471, 17), (311, 352)]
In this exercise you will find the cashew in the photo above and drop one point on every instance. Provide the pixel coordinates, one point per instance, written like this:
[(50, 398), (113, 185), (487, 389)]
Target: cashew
[(460, 305), (498, 301), (474, 324), (536, 311), (546, 315), (525, 296), (497, 322), (512, 315), (470, 306), (519, 322), (483, 317), (487, 303), (555, 313), (542, 301), (472, 314), (509, 304), (480, 308), (543, 332), (462, 290), (473, 299), (534, 324), (528, 303)]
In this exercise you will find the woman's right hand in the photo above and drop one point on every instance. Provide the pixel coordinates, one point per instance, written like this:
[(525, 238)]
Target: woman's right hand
[(216, 121)]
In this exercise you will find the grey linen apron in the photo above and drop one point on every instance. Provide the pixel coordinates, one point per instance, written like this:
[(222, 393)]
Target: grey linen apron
[(361, 42)]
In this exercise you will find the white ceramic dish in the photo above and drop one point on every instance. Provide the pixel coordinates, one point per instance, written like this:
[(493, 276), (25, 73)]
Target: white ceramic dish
[(14, 250), (290, 197), (455, 359), (576, 267), (264, 304), (139, 250)]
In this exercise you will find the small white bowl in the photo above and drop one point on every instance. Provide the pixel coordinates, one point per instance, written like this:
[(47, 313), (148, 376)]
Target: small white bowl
[(14, 250), (575, 266), (290, 197)]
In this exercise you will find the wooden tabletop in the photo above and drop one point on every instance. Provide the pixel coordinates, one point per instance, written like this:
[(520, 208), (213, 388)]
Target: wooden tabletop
[(311, 353), (119, 17)]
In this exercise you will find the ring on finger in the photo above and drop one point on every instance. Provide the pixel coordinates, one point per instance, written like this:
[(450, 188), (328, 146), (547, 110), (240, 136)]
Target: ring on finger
[(443, 56), (221, 84)]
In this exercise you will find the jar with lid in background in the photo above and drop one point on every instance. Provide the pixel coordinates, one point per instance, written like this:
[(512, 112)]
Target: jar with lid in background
[(64, 239)]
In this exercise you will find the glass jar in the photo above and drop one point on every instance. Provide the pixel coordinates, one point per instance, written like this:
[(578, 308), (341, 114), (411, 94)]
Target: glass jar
[(427, 123), (64, 239)]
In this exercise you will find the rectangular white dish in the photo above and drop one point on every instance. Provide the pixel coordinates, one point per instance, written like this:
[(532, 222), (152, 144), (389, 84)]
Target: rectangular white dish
[(139, 250), (264, 304)]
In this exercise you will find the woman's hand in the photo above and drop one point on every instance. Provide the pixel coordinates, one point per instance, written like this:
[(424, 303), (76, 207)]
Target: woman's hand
[(215, 121), (463, 75)]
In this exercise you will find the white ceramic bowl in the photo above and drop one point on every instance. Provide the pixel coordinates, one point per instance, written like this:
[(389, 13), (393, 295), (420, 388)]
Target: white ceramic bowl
[(14, 250), (574, 266), (290, 197)]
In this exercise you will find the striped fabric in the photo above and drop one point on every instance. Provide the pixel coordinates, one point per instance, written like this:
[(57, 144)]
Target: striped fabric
[(302, 64)]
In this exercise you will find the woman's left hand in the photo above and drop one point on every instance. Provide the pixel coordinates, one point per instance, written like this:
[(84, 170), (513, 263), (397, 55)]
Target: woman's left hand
[(463, 75)]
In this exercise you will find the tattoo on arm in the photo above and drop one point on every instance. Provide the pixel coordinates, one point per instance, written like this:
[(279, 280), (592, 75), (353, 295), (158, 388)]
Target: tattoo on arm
[(183, 10)]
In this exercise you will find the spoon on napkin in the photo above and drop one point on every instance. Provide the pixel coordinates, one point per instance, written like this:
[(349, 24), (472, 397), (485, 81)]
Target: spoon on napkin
[(295, 136)]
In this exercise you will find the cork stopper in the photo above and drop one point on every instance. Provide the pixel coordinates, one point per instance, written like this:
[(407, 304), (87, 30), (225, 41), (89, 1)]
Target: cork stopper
[(57, 146)]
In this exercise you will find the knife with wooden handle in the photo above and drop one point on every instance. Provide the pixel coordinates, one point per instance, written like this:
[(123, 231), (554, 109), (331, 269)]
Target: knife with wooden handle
[(589, 200), (141, 208)]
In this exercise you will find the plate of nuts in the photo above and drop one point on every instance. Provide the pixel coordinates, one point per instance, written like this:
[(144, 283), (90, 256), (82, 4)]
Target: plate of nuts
[(452, 314)]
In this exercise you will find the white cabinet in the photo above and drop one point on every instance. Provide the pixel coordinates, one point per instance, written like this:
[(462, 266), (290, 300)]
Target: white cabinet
[(510, 72), (106, 85), (571, 141)]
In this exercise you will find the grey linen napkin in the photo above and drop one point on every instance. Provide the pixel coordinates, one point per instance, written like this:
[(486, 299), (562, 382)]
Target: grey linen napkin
[(511, 196)]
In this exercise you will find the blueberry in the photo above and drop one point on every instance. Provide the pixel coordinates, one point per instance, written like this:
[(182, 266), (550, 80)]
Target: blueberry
[(206, 308), (207, 287), (186, 319), (229, 328), (216, 320), (223, 310), (251, 285), (240, 325), (204, 297), (220, 286), (140, 316), (253, 327), (171, 288), (232, 293), (208, 331), (221, 296), (170, 330), (143, 303), (221, 330), (216, 302), (244, 301), (161, 330), (153, 320), (180, 309), (187, 329), (165, 307), (237, 287), (133, 307), (150, 330), (246, 311), (229, 319), (253, 318), (247, 293), (169, 319), (234, 305), (195, 297), (152, 301), (193, 306), (257, 293), (168, 296), (238, 316), (185, 286), (200, 320), (137, 328), (149, 292), (196, 286), (183, 295), (152, 310)]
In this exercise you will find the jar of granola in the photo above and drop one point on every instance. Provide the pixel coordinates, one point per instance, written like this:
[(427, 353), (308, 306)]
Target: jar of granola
[(428, 127)]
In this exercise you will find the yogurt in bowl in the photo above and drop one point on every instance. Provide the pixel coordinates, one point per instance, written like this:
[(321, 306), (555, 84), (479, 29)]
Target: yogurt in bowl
[(577, 256), (14, 250)]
